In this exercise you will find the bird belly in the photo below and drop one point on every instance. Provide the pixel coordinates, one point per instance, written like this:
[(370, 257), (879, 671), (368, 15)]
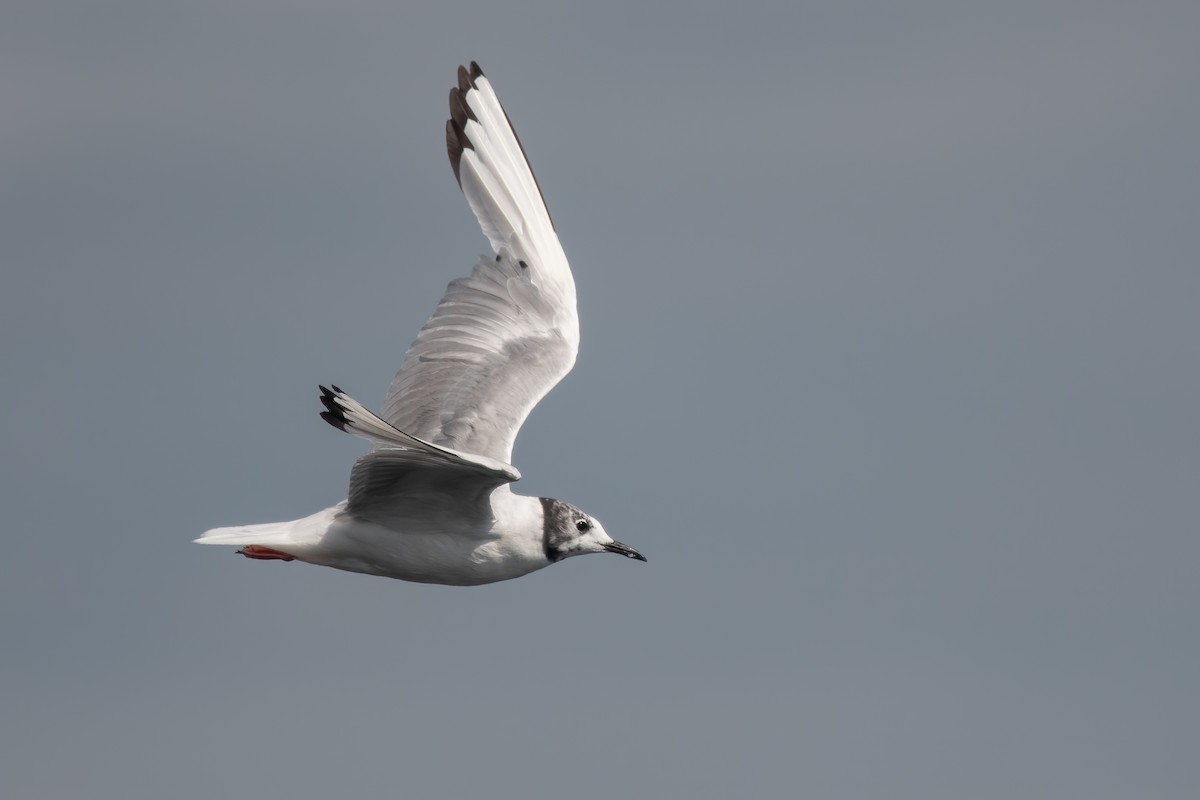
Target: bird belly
[(462, 558)]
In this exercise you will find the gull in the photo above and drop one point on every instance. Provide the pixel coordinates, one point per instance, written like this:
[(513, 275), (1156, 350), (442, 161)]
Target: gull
[(432, 501)]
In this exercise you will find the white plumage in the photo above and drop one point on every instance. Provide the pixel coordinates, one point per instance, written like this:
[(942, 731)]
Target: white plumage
[(431, 502)]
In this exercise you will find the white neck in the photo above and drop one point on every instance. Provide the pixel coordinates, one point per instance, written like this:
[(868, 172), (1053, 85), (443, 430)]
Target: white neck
[(518, 523)]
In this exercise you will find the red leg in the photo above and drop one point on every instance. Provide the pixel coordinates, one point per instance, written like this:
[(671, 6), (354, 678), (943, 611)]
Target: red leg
[(265, 553)]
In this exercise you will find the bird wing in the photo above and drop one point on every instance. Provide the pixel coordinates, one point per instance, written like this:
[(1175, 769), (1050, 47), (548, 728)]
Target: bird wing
[(503, 337), (406, 477), (396, 486)]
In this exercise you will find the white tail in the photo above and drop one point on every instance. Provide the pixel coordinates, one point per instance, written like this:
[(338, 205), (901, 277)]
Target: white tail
[(305, 531), (270, 533)]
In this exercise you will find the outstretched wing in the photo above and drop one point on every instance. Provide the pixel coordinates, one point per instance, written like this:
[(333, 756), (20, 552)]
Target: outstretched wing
[(501, 338)]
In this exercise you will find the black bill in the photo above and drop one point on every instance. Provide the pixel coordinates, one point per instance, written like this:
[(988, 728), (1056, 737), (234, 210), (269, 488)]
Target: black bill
[(624, 550)]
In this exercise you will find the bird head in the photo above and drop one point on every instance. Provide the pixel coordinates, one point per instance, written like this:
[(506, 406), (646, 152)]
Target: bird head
[(567, 531)]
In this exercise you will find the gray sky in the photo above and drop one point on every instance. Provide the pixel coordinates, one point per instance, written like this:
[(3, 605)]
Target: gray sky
[(889, 365)]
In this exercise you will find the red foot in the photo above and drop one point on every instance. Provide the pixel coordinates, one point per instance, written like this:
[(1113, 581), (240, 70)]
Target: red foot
[(265, 553)]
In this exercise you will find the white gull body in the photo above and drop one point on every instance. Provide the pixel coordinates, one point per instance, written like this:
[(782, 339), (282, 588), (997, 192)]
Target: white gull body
[(432, 500)]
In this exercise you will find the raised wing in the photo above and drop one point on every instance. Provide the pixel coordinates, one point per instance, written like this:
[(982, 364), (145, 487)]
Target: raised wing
[(501, 338)]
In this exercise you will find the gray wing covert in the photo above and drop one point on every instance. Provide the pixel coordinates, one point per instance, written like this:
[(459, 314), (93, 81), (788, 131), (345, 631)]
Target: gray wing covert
[(391, 485)]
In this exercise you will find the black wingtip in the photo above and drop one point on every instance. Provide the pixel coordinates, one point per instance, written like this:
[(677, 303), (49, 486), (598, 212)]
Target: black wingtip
[(460, 112), (334, 414), (454, 147), (335, 420), (476, 72)]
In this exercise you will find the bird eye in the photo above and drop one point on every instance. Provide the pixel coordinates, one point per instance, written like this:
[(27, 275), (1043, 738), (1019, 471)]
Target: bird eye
[(582, 525)]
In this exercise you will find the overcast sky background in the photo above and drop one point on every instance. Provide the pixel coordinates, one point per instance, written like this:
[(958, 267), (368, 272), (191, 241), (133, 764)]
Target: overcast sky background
[(890, 320)]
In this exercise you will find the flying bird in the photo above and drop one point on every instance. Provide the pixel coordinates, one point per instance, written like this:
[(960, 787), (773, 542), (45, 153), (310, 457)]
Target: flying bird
[(432, 501)]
